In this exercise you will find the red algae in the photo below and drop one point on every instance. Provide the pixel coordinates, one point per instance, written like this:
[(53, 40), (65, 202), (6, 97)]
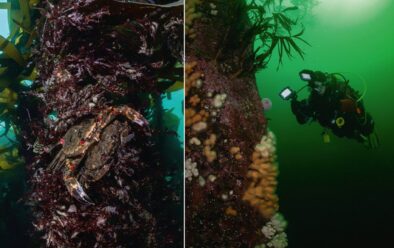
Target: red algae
[(93, 56)]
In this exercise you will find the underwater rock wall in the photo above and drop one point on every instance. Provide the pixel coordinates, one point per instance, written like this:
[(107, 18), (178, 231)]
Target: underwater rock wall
[(95, 168), (230, 156)]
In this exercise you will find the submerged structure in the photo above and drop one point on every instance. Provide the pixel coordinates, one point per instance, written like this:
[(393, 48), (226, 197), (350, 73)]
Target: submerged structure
[(231, 169), (100, 170)]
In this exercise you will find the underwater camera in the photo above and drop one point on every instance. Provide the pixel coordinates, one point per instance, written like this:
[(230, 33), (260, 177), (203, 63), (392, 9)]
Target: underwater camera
[(306, 75), (335, 105), (316, 80), (287, 93), (313, 76)]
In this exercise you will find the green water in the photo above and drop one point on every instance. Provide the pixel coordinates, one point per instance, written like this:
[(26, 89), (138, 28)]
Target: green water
[(338, 194), (174, 103)]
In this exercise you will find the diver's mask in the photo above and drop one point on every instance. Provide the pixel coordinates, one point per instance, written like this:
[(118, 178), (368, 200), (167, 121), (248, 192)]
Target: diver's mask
[(319, 87), (316, 80)]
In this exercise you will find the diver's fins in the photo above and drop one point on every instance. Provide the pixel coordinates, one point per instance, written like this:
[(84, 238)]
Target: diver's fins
[(76, 190), (326, 137), (373, 140)]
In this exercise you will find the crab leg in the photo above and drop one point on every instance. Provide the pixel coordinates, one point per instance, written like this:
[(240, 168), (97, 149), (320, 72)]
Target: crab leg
[(112, 112), (73, 186), (57, 162), (76, 190)]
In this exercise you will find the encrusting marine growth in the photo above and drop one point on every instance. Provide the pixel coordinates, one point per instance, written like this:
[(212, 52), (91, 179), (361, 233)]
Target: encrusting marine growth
[(190, 14), (91, 125), (262, 174), (231, 167), (212, 165)]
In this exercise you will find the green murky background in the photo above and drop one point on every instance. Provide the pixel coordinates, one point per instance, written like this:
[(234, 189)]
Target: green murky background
[(338, 194)]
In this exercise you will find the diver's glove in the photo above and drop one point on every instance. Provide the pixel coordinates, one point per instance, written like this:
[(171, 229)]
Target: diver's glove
[(301, 110)]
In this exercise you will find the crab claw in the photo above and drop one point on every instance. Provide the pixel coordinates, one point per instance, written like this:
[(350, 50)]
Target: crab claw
[(134, 116), (141, 122), (77, 191)]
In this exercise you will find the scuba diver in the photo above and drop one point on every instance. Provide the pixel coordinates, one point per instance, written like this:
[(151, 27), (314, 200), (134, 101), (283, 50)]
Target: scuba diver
[(335, 105)]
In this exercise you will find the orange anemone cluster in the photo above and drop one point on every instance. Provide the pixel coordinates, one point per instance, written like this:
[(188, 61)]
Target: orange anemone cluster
[(262, 174), (196, 115), (210, 154), (235, 152)]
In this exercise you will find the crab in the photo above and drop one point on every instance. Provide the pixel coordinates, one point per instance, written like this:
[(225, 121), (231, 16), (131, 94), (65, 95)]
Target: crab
[(91, 141)]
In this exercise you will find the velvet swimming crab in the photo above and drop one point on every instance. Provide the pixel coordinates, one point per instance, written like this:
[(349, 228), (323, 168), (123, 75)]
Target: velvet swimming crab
[(92, 142)]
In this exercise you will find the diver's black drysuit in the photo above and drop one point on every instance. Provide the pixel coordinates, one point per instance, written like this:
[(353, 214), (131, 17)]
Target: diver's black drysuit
[(336, 106)]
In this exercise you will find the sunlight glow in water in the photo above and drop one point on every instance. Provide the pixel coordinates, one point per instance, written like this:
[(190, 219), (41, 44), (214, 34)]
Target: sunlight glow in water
[(349, 12)]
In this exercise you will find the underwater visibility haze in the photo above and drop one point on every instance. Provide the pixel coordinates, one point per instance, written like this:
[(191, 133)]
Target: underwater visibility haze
[(337, 194)]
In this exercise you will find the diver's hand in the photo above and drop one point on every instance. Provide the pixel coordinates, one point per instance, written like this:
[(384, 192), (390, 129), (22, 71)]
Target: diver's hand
[(294, 96)]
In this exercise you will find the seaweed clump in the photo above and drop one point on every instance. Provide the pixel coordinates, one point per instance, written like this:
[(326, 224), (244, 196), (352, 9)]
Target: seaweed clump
[(95, 56), (89, 50), (249, 33)]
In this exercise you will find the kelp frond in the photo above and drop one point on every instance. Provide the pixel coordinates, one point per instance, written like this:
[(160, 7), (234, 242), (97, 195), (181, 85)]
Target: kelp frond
[(267, 23), (16, 66), (277, 32)]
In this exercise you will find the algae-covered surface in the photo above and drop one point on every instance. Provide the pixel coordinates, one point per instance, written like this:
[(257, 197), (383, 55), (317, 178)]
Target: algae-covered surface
[(88, 95)]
